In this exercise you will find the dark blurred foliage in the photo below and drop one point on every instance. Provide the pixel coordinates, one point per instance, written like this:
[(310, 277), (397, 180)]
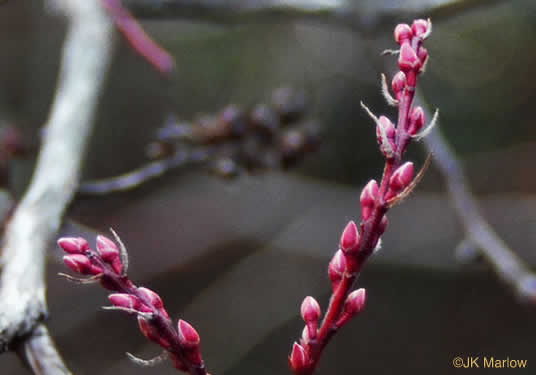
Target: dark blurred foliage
[(237, 257)]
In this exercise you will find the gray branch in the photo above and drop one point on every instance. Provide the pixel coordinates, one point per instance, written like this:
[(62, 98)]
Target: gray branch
[(359, 16), (505, 262), (85, 59)]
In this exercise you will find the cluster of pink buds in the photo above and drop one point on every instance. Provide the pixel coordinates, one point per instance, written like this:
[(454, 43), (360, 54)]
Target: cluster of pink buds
[(357, 243), (108, 265)]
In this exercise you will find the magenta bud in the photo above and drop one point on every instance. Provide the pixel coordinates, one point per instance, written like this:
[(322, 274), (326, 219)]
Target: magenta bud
[(73, 245), (153, 298), (355, 302), (310, 310), (408, 60), (402, 33), (336, 268), (298, 358), (416, 120), (188, 336), (402, 177), (107, 249), (387, 126), (398, 84), (127, 301), (350, 238), (368, 199), (81, 264), (420, 27)]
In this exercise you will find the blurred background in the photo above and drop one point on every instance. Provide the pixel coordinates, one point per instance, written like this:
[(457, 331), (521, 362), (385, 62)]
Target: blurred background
[(235, 257)]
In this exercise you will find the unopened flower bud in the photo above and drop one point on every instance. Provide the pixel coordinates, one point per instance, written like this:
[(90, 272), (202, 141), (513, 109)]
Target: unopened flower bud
[(420, 27), (336, 268), (403, 33), (385, 126), (350, 238), (416, 120), (310, 310), (368, 199), (107, 249), (400, 179), (81, 264), (408, 60), (188, 336), (298, 358), (128, 301), (73, 245), (354, 304), (153, 299), (398, 84)]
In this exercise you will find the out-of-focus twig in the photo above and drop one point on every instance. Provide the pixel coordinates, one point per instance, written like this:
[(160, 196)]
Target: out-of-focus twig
[(85, 59), (339, 13), (39, 353), (267, 136), (505, 262)]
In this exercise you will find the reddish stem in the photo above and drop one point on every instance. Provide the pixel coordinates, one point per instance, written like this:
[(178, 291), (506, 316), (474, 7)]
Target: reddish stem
[(358, 247)]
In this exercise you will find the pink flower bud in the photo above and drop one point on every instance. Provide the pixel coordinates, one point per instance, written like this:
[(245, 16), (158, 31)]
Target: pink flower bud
[(354, 304), (298, 359), (403, 33), (81, 264), (153, 299), (188, 336), (310, 310), (386, 125), (398, 84), (400, 179), (408, 60), (336, 268), (419, 27), (128, 301), (368, 198), (73, 245), (350, 238), (107, 249), (416, 120)]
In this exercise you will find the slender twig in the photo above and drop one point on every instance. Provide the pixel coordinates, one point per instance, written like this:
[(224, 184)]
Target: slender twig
[(85, 59), (108, 265), (357, 245), (40, 354), (139, 176), (505, 262)]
